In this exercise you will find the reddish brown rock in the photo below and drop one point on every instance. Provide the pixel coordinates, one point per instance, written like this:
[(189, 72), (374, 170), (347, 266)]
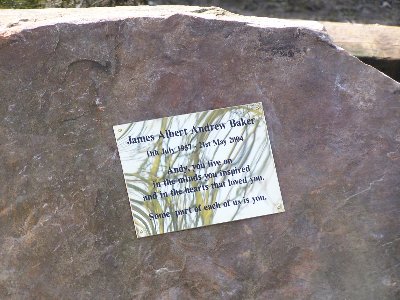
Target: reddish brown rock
[(67, 76)]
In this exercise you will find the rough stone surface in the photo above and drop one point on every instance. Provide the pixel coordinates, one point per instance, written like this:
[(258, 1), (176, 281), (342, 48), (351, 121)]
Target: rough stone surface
[(65, 225), (352, 11)]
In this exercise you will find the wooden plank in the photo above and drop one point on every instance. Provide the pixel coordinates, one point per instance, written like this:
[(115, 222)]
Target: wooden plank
[(365, 40)]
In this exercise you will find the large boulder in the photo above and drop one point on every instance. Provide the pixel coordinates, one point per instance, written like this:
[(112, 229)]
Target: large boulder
[(66, 231)]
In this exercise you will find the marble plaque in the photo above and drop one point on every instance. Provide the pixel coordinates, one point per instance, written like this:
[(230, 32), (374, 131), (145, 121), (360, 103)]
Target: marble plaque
[(198, 169)]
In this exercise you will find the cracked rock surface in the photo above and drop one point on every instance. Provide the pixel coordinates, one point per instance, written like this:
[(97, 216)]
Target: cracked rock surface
[(68, 76)]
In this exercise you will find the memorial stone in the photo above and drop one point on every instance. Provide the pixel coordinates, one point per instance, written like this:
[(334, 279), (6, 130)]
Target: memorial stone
[(66, 230)]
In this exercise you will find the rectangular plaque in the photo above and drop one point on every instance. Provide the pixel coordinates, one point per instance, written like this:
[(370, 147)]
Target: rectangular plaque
[(198, 169)]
